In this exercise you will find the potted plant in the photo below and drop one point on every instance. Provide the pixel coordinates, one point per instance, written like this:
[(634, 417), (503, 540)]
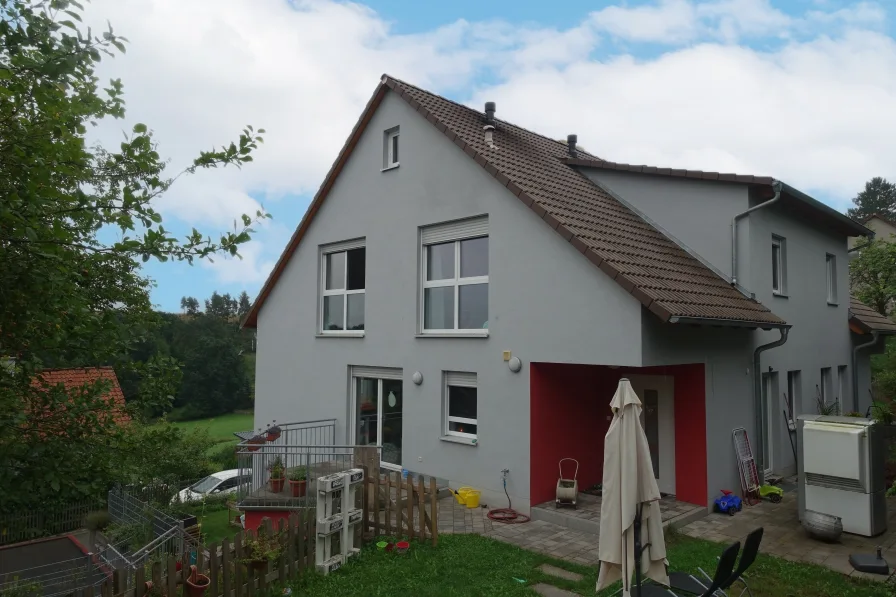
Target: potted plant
[(260, 549), (273, 432), (256, 442), (277, 474), (197, 584), (298, 478)]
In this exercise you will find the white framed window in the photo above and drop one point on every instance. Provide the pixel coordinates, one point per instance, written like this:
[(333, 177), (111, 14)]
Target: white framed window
[(831, 269), (390, 148), (454, 287), (343, 281), (461, 407), (779, 265)]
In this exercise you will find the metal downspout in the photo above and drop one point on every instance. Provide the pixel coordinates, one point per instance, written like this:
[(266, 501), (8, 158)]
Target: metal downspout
[(777, 186), (855, 370), (759, 449)]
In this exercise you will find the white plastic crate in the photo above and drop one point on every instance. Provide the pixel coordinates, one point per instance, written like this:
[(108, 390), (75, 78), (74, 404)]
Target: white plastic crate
[(331, 565)]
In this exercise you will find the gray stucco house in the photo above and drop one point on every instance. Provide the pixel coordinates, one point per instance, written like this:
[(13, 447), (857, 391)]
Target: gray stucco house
[(466, 294)]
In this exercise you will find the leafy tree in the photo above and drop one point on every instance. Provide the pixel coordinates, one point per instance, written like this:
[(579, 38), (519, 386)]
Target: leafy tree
[(221, 305), (872, 275), (67, 295), (245, 305), (190, 305), (215, 377), (878, 197)]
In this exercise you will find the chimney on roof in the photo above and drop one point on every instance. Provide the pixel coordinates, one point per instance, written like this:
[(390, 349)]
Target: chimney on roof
[(490, 113), (571, 141)]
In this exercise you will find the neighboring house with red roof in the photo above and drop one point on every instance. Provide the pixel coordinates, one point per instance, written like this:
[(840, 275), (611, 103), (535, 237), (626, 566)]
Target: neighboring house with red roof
[(76, 379), (466, 294)]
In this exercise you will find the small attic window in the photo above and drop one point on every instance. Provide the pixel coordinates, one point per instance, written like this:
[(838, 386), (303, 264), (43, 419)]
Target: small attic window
[(390, 148)]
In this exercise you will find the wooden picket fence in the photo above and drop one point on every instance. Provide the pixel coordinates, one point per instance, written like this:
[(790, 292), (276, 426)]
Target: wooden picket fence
[(225, 565), (392, 506), (398, 507)]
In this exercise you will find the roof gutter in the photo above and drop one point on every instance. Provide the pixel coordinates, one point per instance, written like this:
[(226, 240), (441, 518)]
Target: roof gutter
[(759, 403), (731, 323), (777, 186), (855, 373)]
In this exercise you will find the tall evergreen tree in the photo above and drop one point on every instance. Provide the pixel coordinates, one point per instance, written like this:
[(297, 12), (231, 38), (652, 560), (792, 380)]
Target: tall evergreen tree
[(878, 197)]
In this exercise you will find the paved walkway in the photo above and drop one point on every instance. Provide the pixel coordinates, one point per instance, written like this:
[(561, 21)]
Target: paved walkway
[(783, 537)]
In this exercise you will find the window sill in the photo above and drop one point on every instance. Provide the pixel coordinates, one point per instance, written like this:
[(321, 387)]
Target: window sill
[(458, 334), (779, 295), (392, 167), (339, 335), (460, 440), (833, 304)]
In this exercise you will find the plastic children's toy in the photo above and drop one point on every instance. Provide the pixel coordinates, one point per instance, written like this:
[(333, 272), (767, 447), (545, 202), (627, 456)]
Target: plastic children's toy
[(728, 502), (771, 493)]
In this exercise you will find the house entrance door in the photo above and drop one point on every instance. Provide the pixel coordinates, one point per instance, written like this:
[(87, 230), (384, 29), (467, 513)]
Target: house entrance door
[(656, 393), (376, 408)]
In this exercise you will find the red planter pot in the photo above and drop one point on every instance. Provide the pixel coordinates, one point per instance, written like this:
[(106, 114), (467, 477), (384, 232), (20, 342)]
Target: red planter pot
[(197, 584), (297, 488), (277, 485), (256, 442)]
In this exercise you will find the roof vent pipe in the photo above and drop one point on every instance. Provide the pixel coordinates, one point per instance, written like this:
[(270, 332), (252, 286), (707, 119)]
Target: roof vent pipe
[(490, 113), (571, 141)]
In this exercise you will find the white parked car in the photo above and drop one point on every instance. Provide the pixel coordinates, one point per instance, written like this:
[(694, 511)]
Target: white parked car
[(215, 484)]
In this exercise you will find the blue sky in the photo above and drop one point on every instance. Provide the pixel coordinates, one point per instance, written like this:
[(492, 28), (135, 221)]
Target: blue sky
[(801, 89)]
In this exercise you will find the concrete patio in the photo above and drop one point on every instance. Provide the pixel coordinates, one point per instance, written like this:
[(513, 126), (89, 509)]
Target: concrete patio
[(783, 537), (586, 516)]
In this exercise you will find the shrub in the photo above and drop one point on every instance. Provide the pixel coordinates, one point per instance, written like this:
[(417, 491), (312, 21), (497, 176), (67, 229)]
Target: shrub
[(224, 457), (98, 520)]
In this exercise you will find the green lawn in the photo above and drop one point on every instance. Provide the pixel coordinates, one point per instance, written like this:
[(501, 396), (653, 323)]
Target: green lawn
[(470, 565), (221, 428)]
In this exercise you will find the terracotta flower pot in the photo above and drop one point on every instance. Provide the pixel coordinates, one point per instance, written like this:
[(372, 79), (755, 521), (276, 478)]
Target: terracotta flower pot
[(197, 584), (256, 442), (277, 484), (297, 488)]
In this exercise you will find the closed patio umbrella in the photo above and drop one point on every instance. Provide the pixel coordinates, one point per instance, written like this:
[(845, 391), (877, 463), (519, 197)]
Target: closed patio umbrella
[(629, 489)]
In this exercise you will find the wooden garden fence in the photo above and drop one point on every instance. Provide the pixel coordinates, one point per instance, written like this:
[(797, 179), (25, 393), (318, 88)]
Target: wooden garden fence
[(396, 506), (392, 506), (227, 565)]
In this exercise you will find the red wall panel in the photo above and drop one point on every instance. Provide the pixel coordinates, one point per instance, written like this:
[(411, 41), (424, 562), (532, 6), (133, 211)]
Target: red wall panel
[(569, 410)]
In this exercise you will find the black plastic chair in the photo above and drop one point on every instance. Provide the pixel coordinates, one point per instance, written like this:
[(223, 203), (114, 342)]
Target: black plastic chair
[(724, 571), (681, 581)]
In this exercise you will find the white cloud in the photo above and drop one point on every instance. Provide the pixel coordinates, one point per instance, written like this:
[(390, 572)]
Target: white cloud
[(251, 269), (814, 108)]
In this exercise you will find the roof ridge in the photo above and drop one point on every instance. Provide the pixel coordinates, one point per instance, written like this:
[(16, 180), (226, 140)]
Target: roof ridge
[(500, 120)]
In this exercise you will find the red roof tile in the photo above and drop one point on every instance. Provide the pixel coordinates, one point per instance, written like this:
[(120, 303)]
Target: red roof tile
[(659, 273), (78, 378)]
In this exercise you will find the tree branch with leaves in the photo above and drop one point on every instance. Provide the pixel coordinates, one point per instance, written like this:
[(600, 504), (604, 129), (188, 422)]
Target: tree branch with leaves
[(69, 297)]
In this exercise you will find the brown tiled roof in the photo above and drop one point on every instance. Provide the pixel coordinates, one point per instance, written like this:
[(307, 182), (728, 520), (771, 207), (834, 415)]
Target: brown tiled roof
[(74, 379), (702, 175), (664, 277), (868, 320)]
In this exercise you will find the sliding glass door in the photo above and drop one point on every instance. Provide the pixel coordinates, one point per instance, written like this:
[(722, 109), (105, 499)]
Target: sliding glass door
[(377, 410)]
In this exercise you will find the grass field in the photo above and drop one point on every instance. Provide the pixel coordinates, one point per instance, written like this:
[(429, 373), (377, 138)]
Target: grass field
[(470, 565), (221, 428)]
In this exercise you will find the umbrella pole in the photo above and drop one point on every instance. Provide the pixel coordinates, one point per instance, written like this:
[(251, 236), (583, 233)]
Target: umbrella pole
[(638, 549)]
